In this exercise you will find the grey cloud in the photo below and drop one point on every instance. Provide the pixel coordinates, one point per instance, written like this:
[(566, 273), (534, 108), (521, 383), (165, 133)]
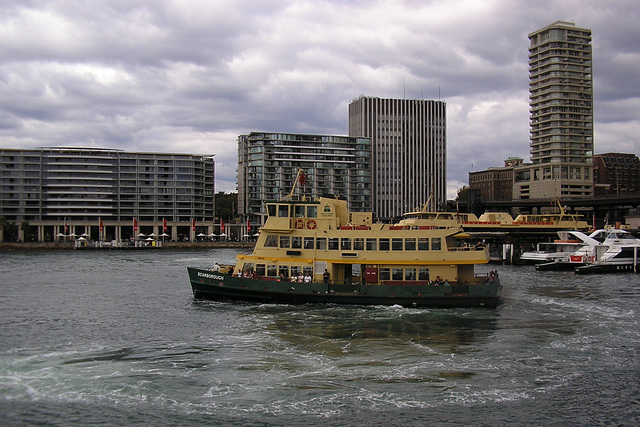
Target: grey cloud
[(191, 76)]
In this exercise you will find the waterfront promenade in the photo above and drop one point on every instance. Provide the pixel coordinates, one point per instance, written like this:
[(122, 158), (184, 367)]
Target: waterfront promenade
[(166, 245)]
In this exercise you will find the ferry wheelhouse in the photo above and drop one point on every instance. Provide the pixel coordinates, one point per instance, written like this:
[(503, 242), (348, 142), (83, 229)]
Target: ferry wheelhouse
[(316, 251)]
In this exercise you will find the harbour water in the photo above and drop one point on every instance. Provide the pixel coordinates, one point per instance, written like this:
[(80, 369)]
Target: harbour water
[(116, 338)]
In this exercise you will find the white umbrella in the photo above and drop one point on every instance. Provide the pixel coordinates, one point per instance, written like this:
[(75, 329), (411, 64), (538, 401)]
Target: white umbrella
[(245, 235), (149, 238), (212, 235), (152, 234), (200, 235), (164, 235), (60, 235), (223, 235), (256, 235), (141, 235), (81, 238), (84, 235), (72, 235)]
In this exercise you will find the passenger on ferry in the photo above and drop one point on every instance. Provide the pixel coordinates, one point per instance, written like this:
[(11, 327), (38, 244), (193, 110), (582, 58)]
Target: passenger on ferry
[(326, 276)]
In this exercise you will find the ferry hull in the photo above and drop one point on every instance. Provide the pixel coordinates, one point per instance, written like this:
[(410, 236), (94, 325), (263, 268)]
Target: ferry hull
[(216, 286)]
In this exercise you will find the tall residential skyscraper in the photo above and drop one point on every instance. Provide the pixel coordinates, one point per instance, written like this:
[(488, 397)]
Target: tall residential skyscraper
[(561, 114), (409, 145)]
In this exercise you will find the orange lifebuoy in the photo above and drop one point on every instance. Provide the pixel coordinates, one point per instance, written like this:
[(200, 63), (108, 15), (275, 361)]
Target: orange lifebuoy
[(311, 224)]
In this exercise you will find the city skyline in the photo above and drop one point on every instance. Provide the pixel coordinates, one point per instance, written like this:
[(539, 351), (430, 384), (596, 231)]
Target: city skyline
[(190, 78)]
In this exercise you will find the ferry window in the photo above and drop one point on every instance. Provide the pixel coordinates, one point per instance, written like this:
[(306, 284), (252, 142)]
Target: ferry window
[(283, 271), (308, 242), (396, 273), (423, 244), (296, 242), (423, 273), (345, 244), (260, 270), (384, 274), (271, 209), (308, 271), (396, 244), (409, 274), (284, 241), (299, 211), (271, 241), (372, 244), (312, 211), (333, 243), (272, 270), (435, 244), (384, 244), (321, 243), (295, 270), (283, 211), (358, 244), (410, 244)]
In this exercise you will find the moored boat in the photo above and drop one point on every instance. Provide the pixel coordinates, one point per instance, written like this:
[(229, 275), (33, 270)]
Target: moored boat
[(604, 250), (316, 251), (558, 250), (617, 251)]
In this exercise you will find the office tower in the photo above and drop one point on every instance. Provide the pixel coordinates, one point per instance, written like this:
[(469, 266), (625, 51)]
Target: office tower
[(561, 114), (409, 143), (335, 166)]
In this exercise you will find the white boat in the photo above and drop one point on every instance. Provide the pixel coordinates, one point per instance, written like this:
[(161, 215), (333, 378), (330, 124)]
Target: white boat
[(618, 250), (567, 243), (608, 249)]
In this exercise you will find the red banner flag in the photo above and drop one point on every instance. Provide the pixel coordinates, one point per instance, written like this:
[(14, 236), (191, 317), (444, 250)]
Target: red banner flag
[(221, 226), (101, 225), (66, 227), (164, 224), (193, 225), (248, 226), (135, 225), (303, 179)]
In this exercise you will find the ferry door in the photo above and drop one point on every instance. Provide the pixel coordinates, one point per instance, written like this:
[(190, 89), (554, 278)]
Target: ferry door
[(348, 269)]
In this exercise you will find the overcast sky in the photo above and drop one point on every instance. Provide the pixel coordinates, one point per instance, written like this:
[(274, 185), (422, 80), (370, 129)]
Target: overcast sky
[(190, 76)]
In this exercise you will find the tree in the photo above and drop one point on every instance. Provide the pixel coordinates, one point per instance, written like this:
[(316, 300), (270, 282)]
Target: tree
[(10, 230), (462, 194), (226, 205)]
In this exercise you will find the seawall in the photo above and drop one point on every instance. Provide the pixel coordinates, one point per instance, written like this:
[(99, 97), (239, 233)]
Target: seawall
[(166, 245)]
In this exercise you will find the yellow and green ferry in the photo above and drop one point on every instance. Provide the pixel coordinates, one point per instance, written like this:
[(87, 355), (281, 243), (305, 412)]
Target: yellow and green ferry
[(316, 251)]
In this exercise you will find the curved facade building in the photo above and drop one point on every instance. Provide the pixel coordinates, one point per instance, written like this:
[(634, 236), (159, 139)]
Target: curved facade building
[(334, 165), (101, 192)]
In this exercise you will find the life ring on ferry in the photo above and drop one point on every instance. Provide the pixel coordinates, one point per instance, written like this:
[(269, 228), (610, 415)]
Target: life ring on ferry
[(311, 224), (299, 223)]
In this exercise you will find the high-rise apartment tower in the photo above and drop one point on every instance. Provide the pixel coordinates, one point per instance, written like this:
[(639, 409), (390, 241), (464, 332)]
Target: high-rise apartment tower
[(561, 114)]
